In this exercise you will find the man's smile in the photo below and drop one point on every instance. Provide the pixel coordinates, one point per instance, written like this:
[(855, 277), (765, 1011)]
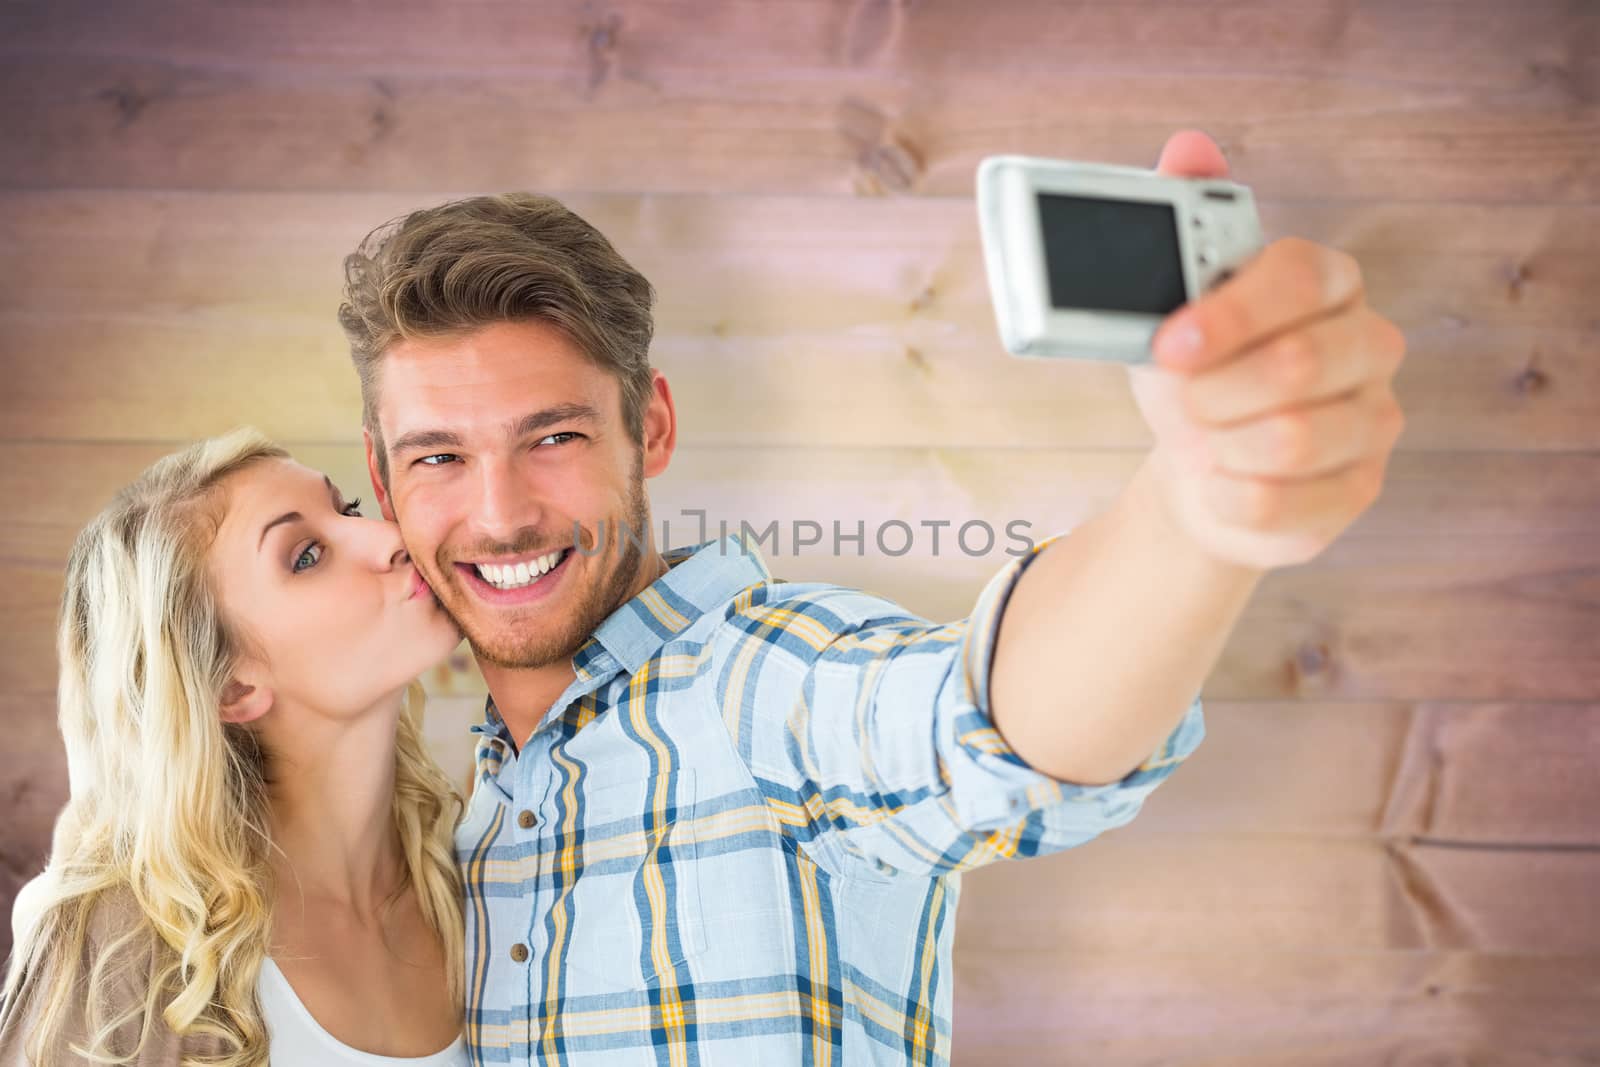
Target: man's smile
[(514, 571), (515, 580)]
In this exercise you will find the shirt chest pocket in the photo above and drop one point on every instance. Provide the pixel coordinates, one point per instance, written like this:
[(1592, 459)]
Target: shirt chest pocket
[(634, 897)]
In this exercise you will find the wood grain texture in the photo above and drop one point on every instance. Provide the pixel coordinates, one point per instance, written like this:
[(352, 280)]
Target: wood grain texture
[(1154, 892), (1420, 101), (1329, 1007), (835, 321)]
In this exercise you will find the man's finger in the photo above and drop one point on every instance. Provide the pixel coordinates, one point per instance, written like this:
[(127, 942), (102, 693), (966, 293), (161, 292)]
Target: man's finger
[(1312, 506), (1310, 441), (1289, 282), (1191, 154), (1326, 359)]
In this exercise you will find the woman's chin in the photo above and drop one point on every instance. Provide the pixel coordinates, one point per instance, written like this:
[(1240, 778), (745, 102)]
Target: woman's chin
[(427, 653), (449, 645)]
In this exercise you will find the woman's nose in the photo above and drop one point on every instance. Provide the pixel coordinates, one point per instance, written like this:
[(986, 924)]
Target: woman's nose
[(386, 549)]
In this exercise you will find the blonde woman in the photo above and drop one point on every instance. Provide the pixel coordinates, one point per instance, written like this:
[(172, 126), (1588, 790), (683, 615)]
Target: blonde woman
[(255, 865)]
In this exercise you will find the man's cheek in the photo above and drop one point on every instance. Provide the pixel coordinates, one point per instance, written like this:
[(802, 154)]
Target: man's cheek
[(442, 572), (412, 514)]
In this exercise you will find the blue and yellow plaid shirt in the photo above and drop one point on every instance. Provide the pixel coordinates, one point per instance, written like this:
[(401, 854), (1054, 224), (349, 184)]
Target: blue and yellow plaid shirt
[(737, 838)]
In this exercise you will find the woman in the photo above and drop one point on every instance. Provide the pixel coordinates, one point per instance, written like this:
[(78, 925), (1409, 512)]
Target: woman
[(255, 865)]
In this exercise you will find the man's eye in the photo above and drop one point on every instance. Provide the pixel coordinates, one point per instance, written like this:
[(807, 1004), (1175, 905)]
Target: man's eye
[(438, 460), (564, 433), (308, 557)]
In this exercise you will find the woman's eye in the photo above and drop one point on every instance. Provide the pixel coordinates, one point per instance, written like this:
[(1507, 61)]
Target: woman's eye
[(352, 509), (308, 557)]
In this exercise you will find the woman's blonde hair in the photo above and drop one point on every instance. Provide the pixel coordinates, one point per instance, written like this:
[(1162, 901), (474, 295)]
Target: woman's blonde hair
[(169, 803)]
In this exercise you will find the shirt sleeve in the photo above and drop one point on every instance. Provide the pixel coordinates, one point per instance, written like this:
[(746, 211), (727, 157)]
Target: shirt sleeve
[(869, 734)]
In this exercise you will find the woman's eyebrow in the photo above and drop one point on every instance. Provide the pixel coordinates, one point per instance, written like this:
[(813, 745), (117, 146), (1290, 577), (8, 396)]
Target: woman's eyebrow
[(288, 516), (294, 516)]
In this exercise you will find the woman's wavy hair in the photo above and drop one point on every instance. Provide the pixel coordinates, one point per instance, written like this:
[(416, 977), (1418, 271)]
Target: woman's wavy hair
[(169, 803)]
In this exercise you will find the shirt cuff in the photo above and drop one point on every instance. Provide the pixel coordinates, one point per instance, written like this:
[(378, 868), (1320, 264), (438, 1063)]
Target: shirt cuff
[(1000, 786)]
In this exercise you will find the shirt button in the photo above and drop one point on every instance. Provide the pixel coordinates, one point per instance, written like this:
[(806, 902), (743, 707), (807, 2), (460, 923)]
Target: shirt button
[(525, 819), (519, 952)]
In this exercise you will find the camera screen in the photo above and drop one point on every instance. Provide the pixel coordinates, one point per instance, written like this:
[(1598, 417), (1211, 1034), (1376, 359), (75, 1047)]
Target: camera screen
[(1111, 255)]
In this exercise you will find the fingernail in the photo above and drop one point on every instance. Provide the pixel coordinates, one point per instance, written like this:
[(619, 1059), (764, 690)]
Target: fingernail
[(1180, 341)]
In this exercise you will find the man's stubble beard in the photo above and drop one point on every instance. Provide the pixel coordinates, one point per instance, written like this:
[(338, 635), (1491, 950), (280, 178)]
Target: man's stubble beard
[(596, 603)]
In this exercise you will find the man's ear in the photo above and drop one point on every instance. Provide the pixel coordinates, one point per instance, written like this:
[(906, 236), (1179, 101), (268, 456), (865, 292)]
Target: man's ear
[(243, 703), (379, 493), (660, 427)]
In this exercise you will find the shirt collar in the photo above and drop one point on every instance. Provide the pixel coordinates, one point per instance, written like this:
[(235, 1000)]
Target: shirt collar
[(699, 578)]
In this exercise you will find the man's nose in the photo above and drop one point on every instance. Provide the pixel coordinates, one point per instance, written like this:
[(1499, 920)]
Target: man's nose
[(504, 506)]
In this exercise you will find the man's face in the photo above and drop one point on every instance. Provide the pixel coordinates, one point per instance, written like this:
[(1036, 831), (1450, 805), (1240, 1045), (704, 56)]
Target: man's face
[(499, 441)]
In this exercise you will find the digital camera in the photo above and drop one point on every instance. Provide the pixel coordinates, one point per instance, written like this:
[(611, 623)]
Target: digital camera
[(1085, 260)]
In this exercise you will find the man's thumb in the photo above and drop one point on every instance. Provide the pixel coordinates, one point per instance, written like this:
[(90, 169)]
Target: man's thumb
[(1192, 154)]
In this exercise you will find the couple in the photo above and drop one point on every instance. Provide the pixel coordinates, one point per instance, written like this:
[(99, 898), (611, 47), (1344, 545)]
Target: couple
[(716, 817)]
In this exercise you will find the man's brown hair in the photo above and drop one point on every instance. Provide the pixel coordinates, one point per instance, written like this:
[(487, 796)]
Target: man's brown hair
[(514, 257)]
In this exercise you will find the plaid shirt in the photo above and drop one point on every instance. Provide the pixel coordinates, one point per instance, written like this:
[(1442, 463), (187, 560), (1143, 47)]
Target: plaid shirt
[(737, 838)]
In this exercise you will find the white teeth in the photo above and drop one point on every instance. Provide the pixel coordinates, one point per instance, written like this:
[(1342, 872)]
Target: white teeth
[(519, 575)]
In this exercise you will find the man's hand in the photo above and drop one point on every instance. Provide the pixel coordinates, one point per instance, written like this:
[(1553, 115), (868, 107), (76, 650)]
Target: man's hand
[(1270, 398)]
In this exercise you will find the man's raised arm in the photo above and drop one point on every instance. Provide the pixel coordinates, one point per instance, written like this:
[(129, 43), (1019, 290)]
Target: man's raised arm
[(1274, 418)]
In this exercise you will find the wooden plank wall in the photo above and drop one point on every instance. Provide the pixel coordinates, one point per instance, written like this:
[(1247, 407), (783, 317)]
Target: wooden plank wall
[(1388, 849)]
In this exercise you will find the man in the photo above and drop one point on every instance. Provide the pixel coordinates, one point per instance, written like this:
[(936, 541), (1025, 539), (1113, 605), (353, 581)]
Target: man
[(721, 819)]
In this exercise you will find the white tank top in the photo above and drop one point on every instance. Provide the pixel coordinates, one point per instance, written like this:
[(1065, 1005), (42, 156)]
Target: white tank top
[(298, 1040)]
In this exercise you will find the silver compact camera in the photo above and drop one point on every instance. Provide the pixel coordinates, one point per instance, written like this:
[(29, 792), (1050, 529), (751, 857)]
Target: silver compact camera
[(1085, 260)]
